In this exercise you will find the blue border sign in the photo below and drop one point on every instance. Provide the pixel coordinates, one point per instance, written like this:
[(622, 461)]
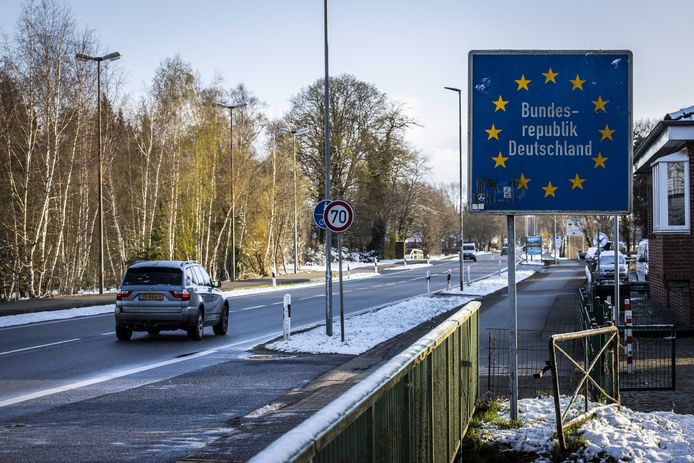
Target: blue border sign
[(318, 213), (550, 132)]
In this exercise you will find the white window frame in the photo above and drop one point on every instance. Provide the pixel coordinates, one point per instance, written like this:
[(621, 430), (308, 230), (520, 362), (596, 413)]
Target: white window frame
[(659, 173)]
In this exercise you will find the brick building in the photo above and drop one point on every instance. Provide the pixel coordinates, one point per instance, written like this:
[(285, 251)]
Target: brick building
[(665, 158)]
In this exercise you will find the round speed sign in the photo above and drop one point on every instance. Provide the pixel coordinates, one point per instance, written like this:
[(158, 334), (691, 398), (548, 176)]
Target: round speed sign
[(338, 216)]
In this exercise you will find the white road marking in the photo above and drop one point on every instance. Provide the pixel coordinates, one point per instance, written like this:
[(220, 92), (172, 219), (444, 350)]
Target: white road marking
[(108, 334), (38, 347), (121, 373), (311, 297), (250, 308)]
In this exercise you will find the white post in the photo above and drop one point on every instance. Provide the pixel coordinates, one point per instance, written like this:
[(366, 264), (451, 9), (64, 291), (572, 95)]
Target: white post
[(376, 265), (468, 274), (287, 320), (448, 280), (513, 316), (499, 271), (404, 261), (274, 278), (428, 283), (629, 335), (349, 272)]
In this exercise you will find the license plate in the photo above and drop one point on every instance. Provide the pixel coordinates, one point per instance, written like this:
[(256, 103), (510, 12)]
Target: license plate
[(151, 297)]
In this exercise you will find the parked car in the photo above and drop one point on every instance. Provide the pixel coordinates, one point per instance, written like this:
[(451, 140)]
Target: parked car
[(582, 255), (642, 261), (416, 254), (470, 251), (591, 254), (169, 295), (605, 268), (504, 251)]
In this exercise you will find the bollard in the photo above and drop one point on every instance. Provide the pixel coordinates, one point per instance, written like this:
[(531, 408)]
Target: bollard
[(376, 266), (274, 278), (404, 262), (468, 274), (628, 335), (287, 318), (428, 283), (448, 280), (349, 273), (499, 271)]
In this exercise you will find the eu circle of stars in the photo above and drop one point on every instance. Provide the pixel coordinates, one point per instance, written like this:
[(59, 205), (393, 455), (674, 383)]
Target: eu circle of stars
[(550, 132)]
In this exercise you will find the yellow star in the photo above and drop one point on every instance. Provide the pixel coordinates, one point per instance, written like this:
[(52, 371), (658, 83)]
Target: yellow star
[(550, 76), (522, 182), (577, 182), (493, 132), (523, 82), (500, 161), (577, 83), (549, 190), (606, 132), (600, 104), (500, 104), (599, 161)]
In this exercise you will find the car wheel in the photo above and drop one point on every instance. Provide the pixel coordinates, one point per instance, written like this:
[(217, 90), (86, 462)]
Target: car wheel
[(153, 331), (195, 331), (123, 334), (220, 329)]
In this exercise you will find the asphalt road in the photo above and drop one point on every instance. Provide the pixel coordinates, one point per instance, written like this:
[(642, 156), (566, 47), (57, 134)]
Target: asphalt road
[(71, 392)]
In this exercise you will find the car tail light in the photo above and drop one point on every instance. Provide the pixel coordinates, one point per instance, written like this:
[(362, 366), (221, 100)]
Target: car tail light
[(122, 294), (182, 295)]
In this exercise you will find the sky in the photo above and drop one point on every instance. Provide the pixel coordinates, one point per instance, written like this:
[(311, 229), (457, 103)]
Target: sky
[(409, 49)]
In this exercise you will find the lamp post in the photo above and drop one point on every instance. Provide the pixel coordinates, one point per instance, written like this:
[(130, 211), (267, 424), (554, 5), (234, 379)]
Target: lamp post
[(460, 151), (231, 109), (294, 133), (98, 59)]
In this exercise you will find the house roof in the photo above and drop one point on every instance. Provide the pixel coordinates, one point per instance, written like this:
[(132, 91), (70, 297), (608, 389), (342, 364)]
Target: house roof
[(668, 136)]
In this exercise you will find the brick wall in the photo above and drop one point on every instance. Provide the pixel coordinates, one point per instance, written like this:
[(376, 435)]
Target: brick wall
[(671, 259)]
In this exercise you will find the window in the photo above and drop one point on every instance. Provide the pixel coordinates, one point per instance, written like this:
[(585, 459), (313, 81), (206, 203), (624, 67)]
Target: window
[(153, 276), (671, 193)]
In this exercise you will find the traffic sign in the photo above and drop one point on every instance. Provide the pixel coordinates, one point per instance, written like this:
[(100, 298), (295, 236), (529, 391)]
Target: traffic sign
[(338, 216), (550, 132), (318, 213)]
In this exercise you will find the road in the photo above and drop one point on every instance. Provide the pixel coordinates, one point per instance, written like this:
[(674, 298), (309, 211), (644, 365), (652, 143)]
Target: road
[(68, 386)]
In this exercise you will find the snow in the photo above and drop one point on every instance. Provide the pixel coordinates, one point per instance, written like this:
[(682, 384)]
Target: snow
[(23, 319), (614, 434), (366, 330), (369, 329), (286, 286)]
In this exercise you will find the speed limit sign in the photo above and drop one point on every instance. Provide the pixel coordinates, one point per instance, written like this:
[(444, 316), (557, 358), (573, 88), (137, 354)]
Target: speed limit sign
[(338, 216)]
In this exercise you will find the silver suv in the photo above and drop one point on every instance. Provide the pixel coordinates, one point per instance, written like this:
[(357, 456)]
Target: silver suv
[(170, 295)]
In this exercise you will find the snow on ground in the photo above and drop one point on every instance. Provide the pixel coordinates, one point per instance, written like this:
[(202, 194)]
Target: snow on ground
[(488, 285), (289, 286), (614, 434), (366, 330), (23, 319)]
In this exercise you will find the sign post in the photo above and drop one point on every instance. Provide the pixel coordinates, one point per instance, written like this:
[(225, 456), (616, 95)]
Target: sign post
[(318, 220), (338, 217), (550, 133)]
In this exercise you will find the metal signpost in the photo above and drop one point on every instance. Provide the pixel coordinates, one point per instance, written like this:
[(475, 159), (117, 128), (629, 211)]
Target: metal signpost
[(338, 217), (549, 133)]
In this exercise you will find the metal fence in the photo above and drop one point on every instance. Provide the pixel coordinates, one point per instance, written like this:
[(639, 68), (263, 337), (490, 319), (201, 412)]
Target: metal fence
[(415, 408), (654, 359)]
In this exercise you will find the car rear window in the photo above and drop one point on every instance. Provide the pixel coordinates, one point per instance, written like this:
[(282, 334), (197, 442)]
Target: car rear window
[(153, 276), (467, 247)]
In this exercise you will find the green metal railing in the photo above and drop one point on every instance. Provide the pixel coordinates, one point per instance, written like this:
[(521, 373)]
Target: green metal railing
[(415, 408)]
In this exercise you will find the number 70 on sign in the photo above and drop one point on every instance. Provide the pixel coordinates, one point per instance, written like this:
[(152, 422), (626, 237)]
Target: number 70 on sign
[(338, 216)]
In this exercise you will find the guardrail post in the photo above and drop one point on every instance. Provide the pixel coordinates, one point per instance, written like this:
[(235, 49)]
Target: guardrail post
[(468, 274), (274, 278), (628, 335), (376, 266), (448, 280), (349, 272), (499, 271), (428, 283), (287, 320), (404, 262)]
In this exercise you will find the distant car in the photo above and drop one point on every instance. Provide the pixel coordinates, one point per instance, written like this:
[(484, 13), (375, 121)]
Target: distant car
[(415, 254), (504, 251), (582, 255), (590, 255), (470, 251), (169, 295), (605, 268)]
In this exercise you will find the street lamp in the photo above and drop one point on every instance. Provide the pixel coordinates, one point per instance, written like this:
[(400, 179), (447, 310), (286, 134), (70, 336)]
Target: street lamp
[(231, 109), (460, 150), (110, 57), (294, 133)]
